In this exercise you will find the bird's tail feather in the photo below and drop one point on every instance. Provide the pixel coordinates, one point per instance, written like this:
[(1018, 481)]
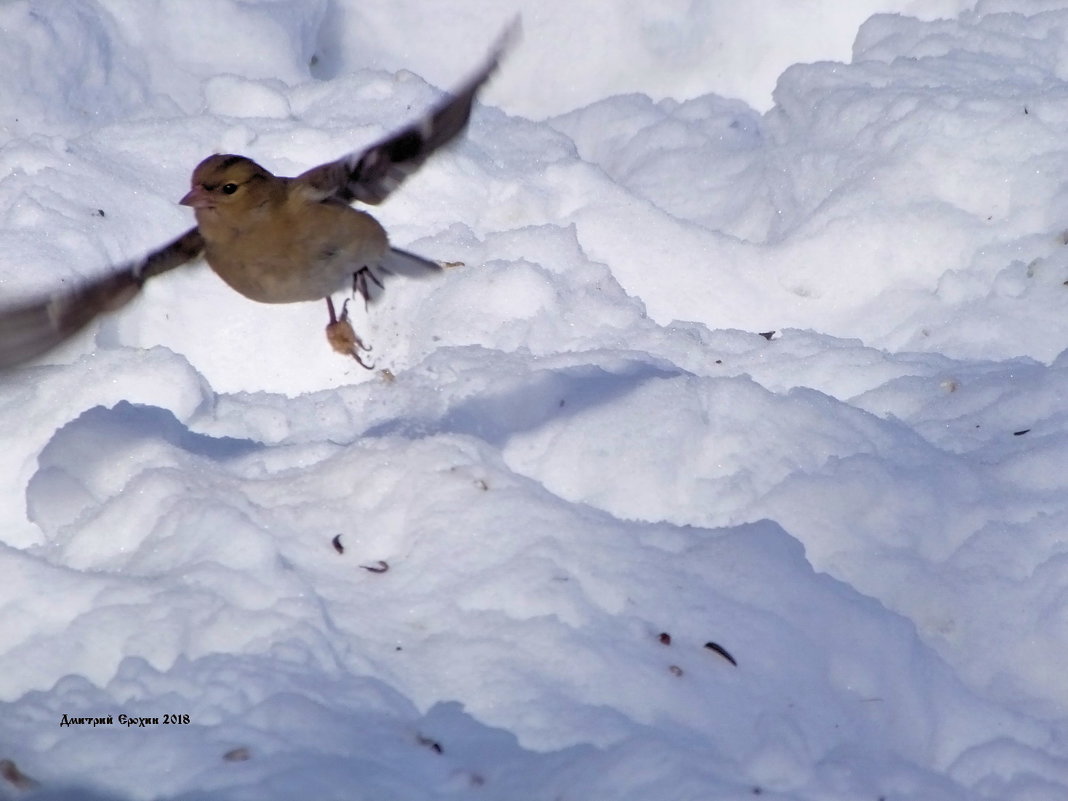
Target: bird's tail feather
[(401, 262), (368, 281)]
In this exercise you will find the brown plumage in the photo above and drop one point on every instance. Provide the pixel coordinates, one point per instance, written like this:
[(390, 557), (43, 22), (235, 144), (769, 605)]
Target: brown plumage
[(273, 239)]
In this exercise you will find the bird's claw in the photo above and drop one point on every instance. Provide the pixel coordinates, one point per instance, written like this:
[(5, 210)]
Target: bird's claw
[(342, 336), (361, 286)]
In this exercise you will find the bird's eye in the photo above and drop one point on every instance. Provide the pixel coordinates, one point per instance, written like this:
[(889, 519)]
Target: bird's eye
[(229, 189)]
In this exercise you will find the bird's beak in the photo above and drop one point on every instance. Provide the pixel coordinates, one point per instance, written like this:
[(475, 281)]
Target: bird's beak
[(197, 198)]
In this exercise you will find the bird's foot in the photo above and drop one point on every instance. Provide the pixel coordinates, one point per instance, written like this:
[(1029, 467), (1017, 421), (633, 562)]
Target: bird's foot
[(361, 285), (342, 336)]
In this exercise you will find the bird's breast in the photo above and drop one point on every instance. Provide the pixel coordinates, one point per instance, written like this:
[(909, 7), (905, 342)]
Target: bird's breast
[(293, 258)]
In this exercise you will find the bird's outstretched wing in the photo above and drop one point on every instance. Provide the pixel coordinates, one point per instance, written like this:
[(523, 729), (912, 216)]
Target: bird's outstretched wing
[(35, 326), (370, 175)]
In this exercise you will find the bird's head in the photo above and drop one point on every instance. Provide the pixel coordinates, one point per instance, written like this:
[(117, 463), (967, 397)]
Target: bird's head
[(227, 182)]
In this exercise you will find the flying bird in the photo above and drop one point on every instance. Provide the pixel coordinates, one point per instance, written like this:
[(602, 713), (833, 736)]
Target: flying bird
[(273, 239)]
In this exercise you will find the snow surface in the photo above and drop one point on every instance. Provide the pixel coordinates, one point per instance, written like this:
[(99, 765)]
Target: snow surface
[(586, 464)]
